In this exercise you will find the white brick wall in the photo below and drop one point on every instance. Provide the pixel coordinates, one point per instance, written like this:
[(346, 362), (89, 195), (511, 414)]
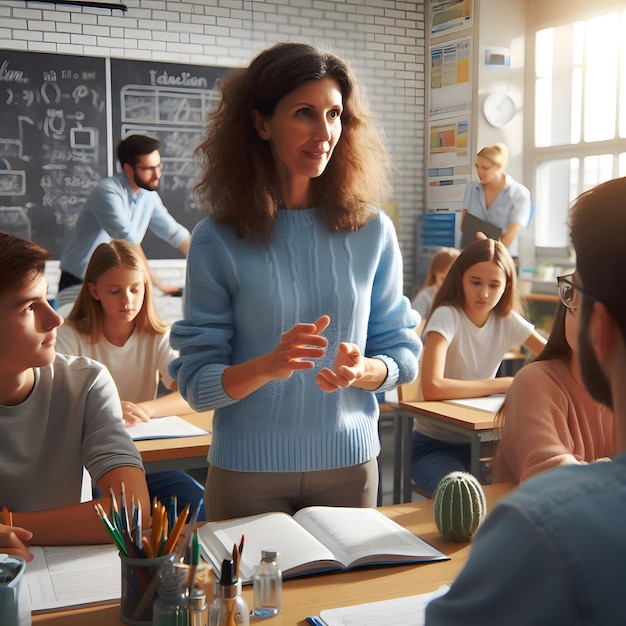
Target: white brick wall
[(384, 40)]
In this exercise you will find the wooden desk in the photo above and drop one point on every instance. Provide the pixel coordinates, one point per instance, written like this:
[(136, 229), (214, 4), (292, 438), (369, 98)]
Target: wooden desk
[(178, 453), (309, 595), (473, 424)]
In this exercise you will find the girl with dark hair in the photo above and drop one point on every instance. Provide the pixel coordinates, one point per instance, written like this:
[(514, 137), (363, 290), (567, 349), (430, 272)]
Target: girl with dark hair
[(473, 323), (294, 269)]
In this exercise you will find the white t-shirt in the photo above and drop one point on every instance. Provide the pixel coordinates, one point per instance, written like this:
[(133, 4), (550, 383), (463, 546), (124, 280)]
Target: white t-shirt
[(423, 301), (136, 367), (474, 353)]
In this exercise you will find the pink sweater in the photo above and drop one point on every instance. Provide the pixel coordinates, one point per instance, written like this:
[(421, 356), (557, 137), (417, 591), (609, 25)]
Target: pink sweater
[(550, 420)]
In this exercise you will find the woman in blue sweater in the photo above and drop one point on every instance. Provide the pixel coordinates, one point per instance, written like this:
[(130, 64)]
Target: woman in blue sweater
[(293, 306)]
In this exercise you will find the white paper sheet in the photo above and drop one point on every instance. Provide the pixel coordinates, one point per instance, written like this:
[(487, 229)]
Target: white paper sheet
[(491, 404), (64, 576), (164, 428), (407, 611)]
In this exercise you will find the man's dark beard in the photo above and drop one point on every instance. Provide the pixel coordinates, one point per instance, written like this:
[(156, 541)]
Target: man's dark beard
[(595, 380), (143, 185)]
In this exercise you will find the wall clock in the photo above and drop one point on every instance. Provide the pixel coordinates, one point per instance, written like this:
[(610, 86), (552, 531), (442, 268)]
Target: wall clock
[(498, 109)]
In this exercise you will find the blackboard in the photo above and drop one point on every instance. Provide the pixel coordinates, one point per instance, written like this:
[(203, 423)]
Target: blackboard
[(53, 141), (169, 101)]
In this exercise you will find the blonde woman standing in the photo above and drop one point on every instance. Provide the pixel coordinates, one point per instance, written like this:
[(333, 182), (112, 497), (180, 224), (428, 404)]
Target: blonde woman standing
[(497, 198)]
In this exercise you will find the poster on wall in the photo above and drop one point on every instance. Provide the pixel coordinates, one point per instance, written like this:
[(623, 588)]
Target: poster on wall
[(449, 141), (450, 80), (449, 16), (445, 189)]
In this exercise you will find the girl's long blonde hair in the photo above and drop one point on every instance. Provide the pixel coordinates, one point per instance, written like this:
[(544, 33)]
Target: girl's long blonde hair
[(442, 259), (87, 314)]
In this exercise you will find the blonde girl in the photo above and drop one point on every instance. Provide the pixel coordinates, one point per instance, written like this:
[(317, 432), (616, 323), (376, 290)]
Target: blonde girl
[(474, 322), (440, 264), (115, 321)]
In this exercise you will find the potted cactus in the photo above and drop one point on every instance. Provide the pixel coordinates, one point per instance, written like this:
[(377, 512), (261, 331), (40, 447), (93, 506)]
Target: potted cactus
[(459, 506)]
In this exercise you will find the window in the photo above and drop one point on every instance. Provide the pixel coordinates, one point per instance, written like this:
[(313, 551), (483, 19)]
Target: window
[(579, 137)]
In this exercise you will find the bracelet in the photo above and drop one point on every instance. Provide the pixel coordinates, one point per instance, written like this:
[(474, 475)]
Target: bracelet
[(7, 516)]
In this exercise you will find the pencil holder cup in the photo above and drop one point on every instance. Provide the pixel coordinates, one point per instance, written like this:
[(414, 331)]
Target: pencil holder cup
[(14, 597), (140, 585)]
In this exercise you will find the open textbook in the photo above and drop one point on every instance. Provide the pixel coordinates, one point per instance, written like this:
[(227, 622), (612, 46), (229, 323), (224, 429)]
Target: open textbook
[(63, 576), (406, 611), (316, 539)]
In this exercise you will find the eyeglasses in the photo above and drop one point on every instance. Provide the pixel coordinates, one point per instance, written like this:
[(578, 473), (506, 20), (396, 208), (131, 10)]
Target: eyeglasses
[(567, 291), (153, 169)]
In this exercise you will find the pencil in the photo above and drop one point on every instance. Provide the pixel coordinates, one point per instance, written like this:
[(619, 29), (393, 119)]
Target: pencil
[(115, 512), (7, 516), (235, 557), (195, 560), (182, 549), (124, 510), (176, 531)]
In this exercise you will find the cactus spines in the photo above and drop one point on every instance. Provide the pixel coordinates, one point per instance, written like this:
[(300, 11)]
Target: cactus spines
[(459, 506)]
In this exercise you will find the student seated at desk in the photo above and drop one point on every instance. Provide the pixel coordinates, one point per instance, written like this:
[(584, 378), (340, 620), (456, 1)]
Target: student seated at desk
[(473, 324), (549, 418), (553, 551), (438, 269), (115, 321), (57, 414)]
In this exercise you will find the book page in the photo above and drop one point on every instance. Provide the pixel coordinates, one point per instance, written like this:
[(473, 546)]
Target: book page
[(407, 611), (357, 536), (64, 576), (277, 531), (164, 428)]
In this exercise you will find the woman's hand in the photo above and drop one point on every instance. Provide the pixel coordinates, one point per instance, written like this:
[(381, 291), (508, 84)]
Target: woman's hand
[(295, 350), (133, 413), (297, 347), (348, 368), (12, 541)]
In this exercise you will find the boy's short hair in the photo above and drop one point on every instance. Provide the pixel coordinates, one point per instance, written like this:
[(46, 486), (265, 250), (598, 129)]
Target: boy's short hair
[(21, 260), (134, 146)]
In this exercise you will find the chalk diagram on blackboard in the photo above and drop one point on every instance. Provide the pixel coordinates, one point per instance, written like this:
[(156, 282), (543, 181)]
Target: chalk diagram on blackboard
[(177, 117), (52, 141)]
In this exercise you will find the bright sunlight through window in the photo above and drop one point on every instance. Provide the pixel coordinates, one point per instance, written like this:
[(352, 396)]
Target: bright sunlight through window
[(580, 116)]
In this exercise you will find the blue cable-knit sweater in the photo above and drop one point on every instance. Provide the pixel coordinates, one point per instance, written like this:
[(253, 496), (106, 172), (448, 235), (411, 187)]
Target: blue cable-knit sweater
[(241, 296)]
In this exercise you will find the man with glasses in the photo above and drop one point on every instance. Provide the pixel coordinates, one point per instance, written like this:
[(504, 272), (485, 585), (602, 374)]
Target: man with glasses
[(554, 551), (122, 206)]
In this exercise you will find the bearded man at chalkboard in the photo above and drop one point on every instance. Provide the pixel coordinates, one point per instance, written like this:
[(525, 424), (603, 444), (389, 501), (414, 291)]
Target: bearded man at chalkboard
[(122, 206)]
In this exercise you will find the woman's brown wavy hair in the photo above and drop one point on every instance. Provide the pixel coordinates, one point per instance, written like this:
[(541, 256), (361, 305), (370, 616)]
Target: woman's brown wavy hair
[(240, 185)]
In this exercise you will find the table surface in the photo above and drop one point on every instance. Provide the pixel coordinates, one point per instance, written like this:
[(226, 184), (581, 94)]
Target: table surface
[(309, 595), (152, 450), (466, 417)]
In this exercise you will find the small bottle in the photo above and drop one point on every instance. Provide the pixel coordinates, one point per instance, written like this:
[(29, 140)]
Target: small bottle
[(228, 606), (268, 585), (170, 607), (198, 613)]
